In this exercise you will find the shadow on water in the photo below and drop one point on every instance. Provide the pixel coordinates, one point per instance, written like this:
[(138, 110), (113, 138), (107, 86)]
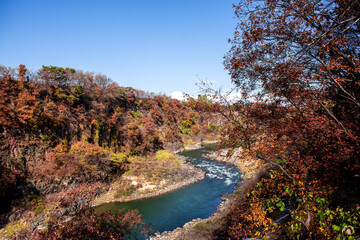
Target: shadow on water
[(198, 200)]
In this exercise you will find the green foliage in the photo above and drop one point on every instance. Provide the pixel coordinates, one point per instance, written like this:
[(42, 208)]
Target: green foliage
[(58, 70), (136, 115), (213, 127), (344, 224), (185, 127), (78, 90), (185, 131), (98, 127), (118, 157)]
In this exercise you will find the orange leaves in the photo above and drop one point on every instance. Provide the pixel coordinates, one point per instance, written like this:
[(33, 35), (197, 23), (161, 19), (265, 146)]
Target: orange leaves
[(249, 217), (62, 108), (26, 105), (86, 149), (61, 148), (22, 72), (257, 215)]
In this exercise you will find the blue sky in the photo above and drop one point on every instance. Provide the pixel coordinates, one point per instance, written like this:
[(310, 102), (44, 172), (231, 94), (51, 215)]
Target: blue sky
[(158, 46)]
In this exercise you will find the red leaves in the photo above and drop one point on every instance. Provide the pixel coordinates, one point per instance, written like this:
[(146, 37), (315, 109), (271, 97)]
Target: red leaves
[(305, 60), (22, 72), (89, 225)]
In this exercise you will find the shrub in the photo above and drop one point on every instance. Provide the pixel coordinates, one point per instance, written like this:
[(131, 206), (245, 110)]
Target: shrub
[(203, 230), (126, 189), (163, 155), (213, 127), (89, 225), (85, 148), (118, 157)]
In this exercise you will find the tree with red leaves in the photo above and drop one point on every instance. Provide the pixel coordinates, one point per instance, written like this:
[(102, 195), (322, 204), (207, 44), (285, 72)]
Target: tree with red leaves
[(301, 60)]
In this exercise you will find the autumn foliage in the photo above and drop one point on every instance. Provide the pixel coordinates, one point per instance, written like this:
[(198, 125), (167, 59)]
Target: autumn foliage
[(59, 113), (65, 134), (299, 60), (87, 225)]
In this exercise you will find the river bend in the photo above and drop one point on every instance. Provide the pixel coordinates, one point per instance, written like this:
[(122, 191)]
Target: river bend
[(199, 200)]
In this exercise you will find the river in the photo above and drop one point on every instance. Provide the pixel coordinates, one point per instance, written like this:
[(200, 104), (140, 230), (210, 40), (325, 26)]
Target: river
[(199, 200)]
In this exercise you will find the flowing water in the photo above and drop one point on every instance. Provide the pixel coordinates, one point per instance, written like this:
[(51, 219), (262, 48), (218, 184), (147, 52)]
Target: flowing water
[(198, 200)]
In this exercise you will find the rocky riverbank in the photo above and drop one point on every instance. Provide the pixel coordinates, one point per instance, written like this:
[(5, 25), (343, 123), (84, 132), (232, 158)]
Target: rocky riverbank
[(247, 165), (202, 228)]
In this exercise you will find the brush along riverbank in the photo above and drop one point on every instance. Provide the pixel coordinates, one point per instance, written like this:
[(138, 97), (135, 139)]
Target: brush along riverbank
[(143, 181)]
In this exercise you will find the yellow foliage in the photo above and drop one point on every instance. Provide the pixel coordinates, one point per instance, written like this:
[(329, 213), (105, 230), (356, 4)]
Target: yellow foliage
[(118, 157), (13, 228), (163, 155)]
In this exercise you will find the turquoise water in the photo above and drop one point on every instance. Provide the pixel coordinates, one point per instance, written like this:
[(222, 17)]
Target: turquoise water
[(198, 200)]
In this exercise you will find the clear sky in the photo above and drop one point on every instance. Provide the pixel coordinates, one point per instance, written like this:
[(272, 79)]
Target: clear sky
[(162, 46)]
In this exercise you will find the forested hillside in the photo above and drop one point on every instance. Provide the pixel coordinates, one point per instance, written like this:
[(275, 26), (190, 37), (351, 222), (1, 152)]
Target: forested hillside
[(68, 134)]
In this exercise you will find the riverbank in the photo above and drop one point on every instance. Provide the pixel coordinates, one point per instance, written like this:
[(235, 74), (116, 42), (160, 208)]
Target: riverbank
[(203, 228), (142, 188)]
